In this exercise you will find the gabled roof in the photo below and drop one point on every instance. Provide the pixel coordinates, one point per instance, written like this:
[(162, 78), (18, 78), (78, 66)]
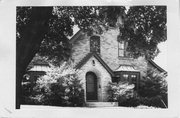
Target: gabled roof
[(41, 62), (156, 66), (126, 68), (88, 56), (76, 36)]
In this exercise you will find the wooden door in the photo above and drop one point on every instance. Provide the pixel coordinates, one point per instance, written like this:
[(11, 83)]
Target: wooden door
[(91, 86)]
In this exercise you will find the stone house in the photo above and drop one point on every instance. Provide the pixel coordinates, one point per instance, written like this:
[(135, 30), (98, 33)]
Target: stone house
[(102, 59)]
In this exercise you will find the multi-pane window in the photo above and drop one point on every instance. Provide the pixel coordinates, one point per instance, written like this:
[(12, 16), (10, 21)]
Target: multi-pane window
[(95, 44), (121, 49), (131, 78), (134, 80)]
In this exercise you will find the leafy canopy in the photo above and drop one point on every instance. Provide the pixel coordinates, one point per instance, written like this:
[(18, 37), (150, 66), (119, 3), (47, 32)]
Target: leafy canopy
[(144, 27)]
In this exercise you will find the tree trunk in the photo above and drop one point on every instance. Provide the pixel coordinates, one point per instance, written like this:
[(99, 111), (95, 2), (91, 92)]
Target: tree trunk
[(29, 44)]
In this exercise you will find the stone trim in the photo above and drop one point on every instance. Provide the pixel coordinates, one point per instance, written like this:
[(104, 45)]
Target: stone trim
[(88, 56)]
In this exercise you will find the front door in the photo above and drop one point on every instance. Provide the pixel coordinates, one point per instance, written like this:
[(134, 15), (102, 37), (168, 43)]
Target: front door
[(91, 86)]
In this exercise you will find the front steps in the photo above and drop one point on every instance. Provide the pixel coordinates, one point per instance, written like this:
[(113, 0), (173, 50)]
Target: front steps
[(101, 104)]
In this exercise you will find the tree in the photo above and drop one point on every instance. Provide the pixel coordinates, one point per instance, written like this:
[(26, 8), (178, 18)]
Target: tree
[(32, 24), (154, 89), (144, 27), (45, 30)]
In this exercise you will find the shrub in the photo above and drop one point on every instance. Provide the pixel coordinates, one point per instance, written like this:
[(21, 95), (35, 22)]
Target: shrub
[(59, 87), (153, 89), (131, 102), (120, 92)]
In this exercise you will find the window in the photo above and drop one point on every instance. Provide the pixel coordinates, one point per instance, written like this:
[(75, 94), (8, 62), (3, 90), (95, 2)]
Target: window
[(95, 44), (130, 77), (121, 49), (134, 80)]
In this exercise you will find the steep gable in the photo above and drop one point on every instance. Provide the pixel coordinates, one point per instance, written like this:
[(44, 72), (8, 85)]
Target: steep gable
[(88, 56), (108, 51)]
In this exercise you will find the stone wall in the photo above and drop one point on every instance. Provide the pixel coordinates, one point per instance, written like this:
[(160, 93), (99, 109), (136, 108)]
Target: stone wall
[(80, 48), (108, 51), (102, 75)]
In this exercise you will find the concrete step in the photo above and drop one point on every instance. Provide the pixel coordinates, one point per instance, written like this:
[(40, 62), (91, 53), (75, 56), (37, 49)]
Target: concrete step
[(101, 104)]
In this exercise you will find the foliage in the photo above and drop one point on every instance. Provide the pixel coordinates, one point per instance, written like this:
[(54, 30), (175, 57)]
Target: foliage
[(144, 28), (120, 92), (45, 30), (154, 89), (60, 87)]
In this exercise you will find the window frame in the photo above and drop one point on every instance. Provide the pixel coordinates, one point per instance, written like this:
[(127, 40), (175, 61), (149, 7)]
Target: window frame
[(121, 49), (129, 79), (94, 48)]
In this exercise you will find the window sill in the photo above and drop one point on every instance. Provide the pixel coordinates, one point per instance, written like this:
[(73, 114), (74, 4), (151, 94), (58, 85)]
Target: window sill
[(125, 58)]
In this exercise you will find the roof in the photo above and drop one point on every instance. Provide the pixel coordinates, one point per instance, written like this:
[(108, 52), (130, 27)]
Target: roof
[(39, 68), (88, 56), (156, 66), (126, 68), (41, 62), (76, 36)]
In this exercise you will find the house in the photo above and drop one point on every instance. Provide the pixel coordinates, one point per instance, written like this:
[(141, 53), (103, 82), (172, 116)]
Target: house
[(102, 59), (36, 69)]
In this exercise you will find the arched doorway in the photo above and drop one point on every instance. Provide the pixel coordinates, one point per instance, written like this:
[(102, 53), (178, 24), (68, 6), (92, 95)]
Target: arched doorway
[(91, 86)]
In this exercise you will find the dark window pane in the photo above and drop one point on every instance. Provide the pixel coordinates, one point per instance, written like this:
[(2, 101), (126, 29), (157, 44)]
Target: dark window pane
[(95, 44)]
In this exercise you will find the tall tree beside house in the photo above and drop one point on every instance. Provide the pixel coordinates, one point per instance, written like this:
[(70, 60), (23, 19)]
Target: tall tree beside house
[(45, 30), (144, 27)]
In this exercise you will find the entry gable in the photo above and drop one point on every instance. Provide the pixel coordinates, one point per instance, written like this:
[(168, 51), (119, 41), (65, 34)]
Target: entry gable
[(88, 56)]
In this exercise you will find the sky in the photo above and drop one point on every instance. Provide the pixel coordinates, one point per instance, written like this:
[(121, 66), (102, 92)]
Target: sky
[(161, 58)]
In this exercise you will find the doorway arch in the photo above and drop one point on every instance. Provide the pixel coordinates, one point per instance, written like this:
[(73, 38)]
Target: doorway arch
[(91, 86)]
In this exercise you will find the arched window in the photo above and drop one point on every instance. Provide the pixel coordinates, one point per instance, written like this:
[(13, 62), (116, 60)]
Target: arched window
[(95, 44)]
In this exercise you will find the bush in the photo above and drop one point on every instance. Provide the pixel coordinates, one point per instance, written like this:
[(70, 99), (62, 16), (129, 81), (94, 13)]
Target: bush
[(120, 92), (67, 91), (59, 87), (131, 102), (153, 89)]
